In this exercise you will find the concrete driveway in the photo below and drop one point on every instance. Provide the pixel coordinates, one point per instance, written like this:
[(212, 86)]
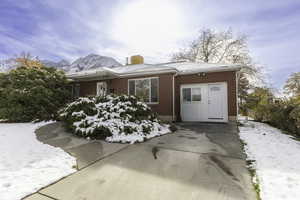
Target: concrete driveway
[(199, 161)]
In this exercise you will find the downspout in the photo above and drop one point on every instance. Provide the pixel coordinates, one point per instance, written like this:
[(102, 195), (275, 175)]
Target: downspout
[(237, 76), (173, 94)]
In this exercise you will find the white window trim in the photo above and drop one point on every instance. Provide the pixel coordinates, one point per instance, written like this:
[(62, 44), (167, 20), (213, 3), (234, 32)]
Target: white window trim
[(191, 96), (98, 85), (136, 79)]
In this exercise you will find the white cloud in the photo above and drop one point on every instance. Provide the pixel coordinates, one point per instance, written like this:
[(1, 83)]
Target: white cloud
[(156, 29), (151, 28)]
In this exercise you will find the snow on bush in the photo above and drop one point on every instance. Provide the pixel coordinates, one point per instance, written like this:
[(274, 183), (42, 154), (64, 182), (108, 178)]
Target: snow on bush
[(113, 118)]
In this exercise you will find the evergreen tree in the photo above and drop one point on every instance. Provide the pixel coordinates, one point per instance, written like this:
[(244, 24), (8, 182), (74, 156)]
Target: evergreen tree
[(32, 93)]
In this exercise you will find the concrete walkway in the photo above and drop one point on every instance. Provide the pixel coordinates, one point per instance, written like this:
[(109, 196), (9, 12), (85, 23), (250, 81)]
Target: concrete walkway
[(199, 161)]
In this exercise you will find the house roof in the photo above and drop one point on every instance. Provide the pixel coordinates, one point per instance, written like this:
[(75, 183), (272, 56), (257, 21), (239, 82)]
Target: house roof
[(147, 69), (196, 67), (141, 69)]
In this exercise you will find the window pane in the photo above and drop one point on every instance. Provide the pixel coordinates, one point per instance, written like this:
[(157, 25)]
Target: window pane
[(143, 89), (186, 93), (154, 90), (215, 88), (131, 87), (196, 94), (77, 90)]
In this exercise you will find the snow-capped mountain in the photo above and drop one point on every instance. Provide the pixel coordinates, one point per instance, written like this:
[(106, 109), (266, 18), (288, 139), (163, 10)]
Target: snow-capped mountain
[(92, 61), (63, 64)]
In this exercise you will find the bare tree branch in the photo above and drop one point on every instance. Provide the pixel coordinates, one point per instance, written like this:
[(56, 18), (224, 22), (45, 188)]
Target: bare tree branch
[(223, 47)]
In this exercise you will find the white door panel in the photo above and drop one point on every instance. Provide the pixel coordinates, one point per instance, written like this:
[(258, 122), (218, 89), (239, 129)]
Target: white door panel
[(193, 106), (215, 101), (204, 102)]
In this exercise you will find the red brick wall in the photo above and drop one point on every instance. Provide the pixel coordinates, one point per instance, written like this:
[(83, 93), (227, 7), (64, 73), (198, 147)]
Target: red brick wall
[(87, 88), (164, 107), (120, 86)]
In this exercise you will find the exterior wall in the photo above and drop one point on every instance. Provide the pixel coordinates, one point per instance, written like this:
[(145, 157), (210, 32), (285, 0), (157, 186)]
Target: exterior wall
[(213, 77), (165, 106), (87, 88), (120, 86)]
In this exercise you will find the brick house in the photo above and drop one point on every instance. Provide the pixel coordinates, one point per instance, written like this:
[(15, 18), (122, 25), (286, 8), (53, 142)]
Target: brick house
[(179, 91)]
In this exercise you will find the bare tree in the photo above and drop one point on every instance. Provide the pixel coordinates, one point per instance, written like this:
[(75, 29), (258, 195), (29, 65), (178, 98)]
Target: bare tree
[(292, 85), (218, 47)]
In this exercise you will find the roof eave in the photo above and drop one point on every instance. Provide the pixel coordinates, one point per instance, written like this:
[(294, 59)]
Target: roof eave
[(210, 71), (89, 75), (120, 75), (146, 73)]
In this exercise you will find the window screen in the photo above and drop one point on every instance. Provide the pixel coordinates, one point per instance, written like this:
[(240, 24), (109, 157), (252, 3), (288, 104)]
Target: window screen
[(215, 88), (154, 90), (146, 89), (196, 94), (142, 89), (131, 86), (186, 94), (76, 90)]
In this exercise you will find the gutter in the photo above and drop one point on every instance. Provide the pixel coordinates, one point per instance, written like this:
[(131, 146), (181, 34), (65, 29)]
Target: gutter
[(120, 75), (145, 73), (172, 70), (209, 71)]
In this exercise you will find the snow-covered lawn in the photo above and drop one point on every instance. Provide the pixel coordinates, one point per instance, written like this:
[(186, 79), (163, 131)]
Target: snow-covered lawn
[(27, 164), (277, 160)]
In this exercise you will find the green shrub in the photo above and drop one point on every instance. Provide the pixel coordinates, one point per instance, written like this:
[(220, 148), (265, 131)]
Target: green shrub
[(281, 113), (284, 115), (294, 117), (32, 93), (111, 117)]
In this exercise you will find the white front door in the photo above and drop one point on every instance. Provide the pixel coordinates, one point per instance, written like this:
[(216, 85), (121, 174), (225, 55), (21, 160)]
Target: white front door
[(101, 88), (217, 102), (204, 102)]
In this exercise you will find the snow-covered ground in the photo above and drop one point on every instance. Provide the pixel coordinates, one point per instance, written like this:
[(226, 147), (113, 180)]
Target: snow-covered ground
[(277, 160), (27, 164)]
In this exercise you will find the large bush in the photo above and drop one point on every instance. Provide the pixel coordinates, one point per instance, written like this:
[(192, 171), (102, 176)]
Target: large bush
[(284, 114), (114, 118), (32, 93), (281, 113)]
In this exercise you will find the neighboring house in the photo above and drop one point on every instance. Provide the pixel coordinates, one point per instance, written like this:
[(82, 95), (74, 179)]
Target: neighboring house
[(179, 91)]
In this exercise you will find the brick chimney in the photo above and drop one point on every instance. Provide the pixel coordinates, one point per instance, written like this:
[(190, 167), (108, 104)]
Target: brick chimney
[(136, 59)]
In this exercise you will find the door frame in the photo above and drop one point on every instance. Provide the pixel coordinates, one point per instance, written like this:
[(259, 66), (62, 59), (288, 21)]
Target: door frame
[(101, 84), (225, 94)]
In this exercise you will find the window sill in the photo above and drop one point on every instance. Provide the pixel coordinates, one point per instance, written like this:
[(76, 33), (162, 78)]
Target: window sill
[(154, 103)]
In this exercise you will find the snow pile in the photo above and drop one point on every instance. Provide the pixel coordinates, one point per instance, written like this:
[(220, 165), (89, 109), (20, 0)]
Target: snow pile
[(113, 118), (26, 165), (277, 160)]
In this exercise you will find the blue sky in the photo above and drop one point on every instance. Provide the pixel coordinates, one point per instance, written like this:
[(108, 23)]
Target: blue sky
[(67, 29)]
